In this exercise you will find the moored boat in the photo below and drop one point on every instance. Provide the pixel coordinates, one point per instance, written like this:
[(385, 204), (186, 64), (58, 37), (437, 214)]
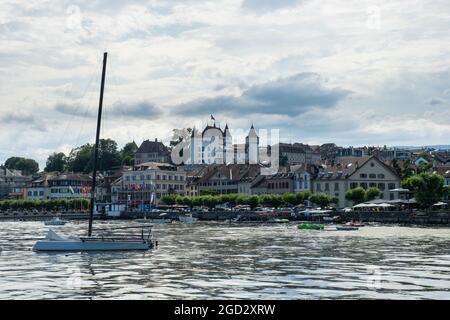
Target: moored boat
[(279, 221), (355, 224), (55, 222), (187, 218), (310, 226), (102, 242), (346, 228)]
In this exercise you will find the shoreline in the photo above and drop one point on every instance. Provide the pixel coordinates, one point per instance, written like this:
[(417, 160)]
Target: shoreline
[(400, 217)]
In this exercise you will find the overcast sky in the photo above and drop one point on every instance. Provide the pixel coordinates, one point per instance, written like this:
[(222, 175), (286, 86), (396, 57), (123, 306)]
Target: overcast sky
[(351, 72)]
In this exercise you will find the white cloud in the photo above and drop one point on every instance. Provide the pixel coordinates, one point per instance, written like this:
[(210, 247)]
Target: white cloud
[(175, 52)]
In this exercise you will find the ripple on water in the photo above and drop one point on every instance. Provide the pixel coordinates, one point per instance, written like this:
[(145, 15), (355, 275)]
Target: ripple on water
[(213, 260)]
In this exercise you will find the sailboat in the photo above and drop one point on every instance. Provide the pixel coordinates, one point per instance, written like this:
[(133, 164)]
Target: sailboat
[(113, 239)]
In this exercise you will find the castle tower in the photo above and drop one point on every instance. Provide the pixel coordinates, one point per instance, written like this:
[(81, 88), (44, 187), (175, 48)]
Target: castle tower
[(228, 149), (252, 146)]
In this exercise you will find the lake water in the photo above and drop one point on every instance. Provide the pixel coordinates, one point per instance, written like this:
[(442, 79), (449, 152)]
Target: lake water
[(237, 261)]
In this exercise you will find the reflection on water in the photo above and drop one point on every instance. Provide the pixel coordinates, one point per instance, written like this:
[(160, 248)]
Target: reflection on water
[(223, 261)]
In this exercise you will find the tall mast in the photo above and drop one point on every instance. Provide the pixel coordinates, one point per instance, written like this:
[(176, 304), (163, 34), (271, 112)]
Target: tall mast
[(97, 139)]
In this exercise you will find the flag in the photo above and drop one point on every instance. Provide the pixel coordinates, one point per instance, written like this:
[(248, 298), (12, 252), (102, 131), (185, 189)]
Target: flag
[(212, 118), (129, 186), (84, 189), (71, 190), (136, 187), (152, 198)]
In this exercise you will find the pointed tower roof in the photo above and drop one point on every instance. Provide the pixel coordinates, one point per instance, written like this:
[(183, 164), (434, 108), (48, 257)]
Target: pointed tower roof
[(226, 131), (252, 132)]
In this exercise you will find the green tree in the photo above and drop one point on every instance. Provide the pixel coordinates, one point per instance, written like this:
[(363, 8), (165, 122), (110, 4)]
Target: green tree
[(210, 201), (320, 198), (291, 199), (81, 159), (169, 199), (428, 188), (56, 162), (372, 193), (128, 153), (424, 167), (252, 201), (356, 195), (27, 166), (334, 200)]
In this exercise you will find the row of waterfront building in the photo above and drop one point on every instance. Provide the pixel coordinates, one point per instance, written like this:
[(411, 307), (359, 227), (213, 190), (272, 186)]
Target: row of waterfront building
[(147, 182), (326, 168)]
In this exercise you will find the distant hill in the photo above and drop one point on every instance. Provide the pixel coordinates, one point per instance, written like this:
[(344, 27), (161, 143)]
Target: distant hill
[(437, 146)]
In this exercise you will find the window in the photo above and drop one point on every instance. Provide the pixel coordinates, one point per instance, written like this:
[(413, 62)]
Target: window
[(363, 185), (353, 185), (372, 184), (363, 175), (158, 177), (30, 193), (170, 177), (391, 186), (380, 176), (381, 186), (142, 177), (336, 186), (391, 195), (372, 164), (318, 187), (372, 176), (327, 186)]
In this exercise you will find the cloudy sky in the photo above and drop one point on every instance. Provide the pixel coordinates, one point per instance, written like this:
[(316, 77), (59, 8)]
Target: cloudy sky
[(352, 72)]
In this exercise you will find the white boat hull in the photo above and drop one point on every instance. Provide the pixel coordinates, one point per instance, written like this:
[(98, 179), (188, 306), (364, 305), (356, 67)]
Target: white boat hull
[(79, 245), (187, 219), (153, 220), (52, 223)]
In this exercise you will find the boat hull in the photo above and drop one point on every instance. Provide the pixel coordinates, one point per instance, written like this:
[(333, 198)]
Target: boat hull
[(187, 219), (310, 226), (346, 228), (78, 245)]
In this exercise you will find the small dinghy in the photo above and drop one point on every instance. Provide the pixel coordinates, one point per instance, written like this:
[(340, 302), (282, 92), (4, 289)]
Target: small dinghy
[(310, 226), (187, 218), (279, 221), (162, 219), (355, 224), (346, 228), (55, 222)]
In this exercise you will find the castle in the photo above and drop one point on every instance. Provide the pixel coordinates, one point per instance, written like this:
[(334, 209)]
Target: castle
[(214, 145)]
